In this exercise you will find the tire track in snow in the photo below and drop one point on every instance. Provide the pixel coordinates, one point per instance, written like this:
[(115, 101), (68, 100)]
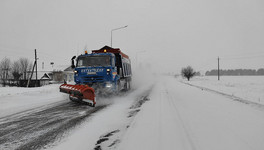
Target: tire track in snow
[(178, 118), (111, 139), (159, 107), (36, 128)]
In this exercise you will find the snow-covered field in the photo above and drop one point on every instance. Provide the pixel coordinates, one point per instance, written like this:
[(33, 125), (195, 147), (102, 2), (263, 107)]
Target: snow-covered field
[(175, 116), (250, 88)]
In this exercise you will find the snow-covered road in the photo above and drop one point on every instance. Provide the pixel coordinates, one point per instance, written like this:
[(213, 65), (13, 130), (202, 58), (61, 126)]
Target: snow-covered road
[(44, 118), (183, 117), (36, 128), (166, 114)]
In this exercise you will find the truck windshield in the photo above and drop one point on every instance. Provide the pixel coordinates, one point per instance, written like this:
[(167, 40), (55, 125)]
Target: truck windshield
[(92, 61)]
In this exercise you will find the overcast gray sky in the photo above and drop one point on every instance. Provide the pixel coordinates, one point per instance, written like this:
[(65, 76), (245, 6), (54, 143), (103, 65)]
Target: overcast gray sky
[(164, 34)]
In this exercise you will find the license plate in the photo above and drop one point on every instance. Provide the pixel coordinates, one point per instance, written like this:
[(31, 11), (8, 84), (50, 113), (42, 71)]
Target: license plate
[(91, 73)]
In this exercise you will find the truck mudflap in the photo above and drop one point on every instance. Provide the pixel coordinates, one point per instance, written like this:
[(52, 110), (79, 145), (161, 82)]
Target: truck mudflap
[(80, 93)]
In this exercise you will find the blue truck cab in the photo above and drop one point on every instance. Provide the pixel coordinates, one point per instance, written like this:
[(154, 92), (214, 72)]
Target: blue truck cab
[(107, 70)]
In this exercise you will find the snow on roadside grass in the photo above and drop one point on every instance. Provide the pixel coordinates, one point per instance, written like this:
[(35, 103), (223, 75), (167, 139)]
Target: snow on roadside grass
[(11, 91), (17, 99), (250, 88)]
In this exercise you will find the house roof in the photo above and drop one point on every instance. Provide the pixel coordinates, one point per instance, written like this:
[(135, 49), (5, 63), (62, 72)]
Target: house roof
[(68, 69), (41, 75), (45, 76), (56, 67)]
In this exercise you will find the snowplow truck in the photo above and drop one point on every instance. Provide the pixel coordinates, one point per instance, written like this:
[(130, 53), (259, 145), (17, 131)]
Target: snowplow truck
[(104, 71)]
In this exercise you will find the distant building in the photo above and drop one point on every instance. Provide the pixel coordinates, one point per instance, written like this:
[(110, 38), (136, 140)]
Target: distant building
[(58, 75), (61, 76), (42, 79), (68, 74)]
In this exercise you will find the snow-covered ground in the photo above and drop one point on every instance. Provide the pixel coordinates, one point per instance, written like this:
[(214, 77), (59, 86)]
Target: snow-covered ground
[(114, 119), (179, 116), (17, 99), (174, 116), (250, 88)]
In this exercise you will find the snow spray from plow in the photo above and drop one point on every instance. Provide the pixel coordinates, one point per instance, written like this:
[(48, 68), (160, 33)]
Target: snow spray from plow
[(79, 93)]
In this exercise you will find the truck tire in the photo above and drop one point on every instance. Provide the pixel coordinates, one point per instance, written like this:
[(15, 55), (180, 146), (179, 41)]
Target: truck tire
[(127, 86), (118, 87)]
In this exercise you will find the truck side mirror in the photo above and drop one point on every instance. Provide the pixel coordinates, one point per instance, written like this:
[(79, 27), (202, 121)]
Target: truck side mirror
[(73, 66)]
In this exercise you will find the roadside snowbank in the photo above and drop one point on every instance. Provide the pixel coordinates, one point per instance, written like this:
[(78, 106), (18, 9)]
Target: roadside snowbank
[(17, 99)]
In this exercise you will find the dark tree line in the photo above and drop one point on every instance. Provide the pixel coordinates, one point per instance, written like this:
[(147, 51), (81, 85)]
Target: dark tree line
[(236, 72)]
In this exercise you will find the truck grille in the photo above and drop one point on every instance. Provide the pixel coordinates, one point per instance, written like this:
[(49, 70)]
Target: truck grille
[(93, 79)]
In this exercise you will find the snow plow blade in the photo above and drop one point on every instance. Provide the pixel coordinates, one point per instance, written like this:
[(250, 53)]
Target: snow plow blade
[(79, 93)]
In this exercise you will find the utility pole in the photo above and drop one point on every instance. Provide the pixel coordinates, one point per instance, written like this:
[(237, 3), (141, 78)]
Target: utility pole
[(36, 68), (218, 69), (35, 65)]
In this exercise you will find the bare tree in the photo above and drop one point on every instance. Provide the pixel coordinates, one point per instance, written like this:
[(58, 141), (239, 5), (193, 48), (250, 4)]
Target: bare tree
[(188, 72), (5, 69), (16, 67), (24, 67), (29, 70)]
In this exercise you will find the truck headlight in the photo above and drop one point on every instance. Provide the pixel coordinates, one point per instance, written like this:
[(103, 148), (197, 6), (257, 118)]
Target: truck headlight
[(108, 71), (108, 85)]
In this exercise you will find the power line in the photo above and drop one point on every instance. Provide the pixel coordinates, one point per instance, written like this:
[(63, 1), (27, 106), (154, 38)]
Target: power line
[(243, 57), (26, 52), (14, 53), (55, 57), (43, 56), (15, 49)]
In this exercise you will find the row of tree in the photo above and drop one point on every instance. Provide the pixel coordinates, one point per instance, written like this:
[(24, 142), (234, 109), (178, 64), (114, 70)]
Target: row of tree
[(16, 70), (188, 72), (236, 72)]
